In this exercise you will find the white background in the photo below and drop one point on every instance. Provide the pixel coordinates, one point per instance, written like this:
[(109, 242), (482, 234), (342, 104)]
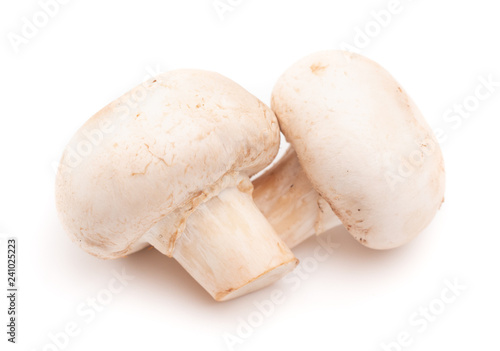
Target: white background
[(90, 52)]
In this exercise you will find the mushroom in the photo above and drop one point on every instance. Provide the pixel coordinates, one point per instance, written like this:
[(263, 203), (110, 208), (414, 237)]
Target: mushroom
[(360, 145), (174, 173)]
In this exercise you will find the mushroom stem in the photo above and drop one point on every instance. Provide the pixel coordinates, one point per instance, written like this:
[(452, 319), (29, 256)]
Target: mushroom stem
[(289, 202), (229, 247)]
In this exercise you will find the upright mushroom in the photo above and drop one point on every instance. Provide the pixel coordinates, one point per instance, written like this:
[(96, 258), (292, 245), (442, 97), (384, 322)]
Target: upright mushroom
[(174, 173), (360, 145)]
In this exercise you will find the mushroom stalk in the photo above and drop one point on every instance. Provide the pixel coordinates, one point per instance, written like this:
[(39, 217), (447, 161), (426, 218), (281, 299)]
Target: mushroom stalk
[(290, 203), (227, 244)]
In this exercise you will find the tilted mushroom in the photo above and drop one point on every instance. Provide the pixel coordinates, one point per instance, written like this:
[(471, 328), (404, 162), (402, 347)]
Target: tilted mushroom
[(174, 173), (360, 144)]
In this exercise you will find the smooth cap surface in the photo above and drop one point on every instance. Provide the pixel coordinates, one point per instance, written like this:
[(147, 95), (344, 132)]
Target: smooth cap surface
[(363, 144), (164, 143)]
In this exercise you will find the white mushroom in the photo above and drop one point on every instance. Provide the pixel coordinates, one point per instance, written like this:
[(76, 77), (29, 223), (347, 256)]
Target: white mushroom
[(174, 173), (361, 145)]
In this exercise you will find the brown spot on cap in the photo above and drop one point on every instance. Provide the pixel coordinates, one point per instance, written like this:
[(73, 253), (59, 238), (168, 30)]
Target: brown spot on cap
[(318, 68)]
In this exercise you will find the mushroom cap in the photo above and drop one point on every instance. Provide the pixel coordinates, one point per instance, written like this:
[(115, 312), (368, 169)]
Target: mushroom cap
[(155, 149), (363, 144)]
